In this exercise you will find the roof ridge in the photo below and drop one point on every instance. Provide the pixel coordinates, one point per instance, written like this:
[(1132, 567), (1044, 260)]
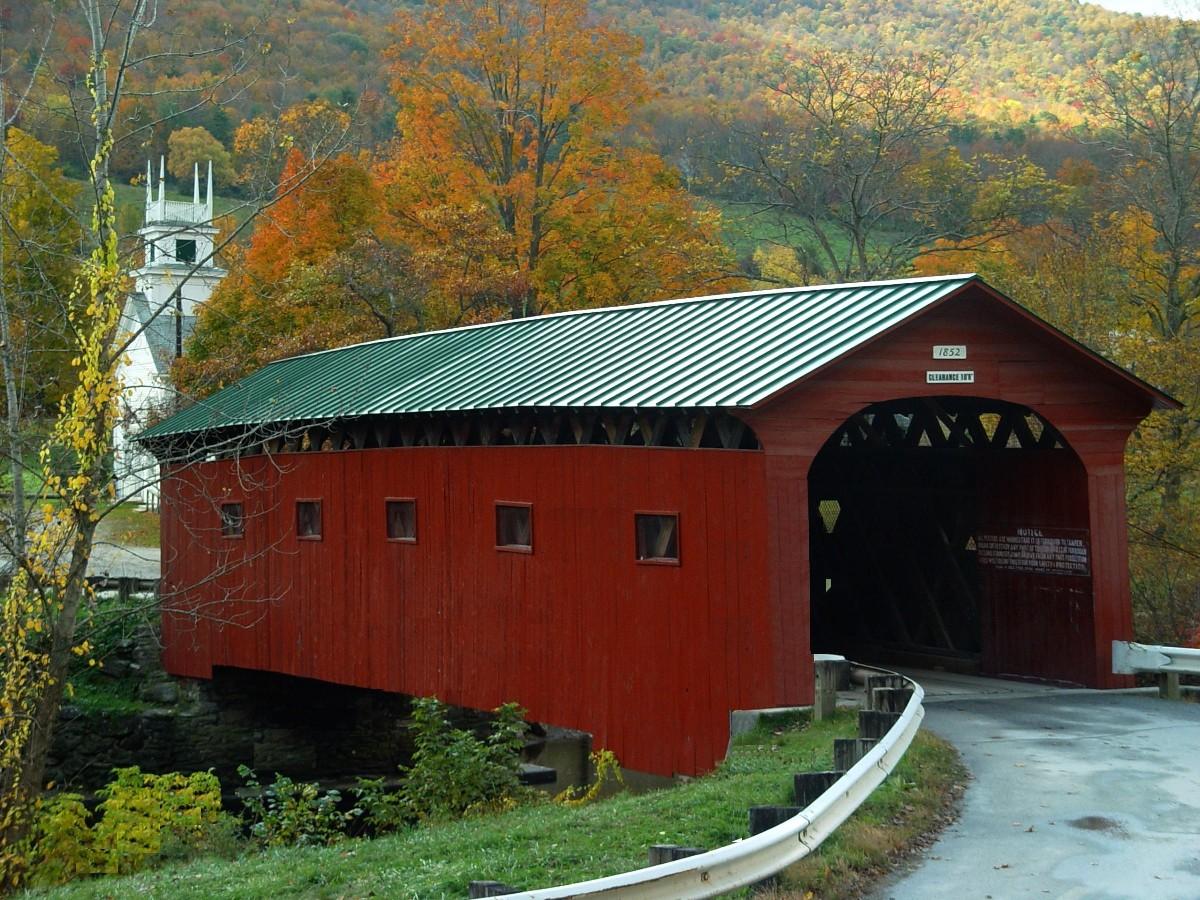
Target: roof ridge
[(646, 304)]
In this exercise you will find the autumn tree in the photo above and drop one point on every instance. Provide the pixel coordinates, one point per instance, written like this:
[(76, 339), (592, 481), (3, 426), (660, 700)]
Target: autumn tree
[(854, 165), (520, 108), (189, 147), (1147, 105), (38, 240), (328, 265), (272, 303), (263, 145)]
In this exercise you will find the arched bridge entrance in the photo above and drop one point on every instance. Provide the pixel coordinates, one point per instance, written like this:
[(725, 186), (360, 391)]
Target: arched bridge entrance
[(952, 531)]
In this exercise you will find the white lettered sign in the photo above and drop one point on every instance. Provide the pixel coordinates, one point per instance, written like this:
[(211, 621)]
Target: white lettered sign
[(949, 351), (961, 377)]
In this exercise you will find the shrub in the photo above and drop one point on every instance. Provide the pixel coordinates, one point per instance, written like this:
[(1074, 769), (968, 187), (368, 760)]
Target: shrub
[(288, 812), (142, 819), (139, 810), (384, 811), (60, 846), (455, 773)]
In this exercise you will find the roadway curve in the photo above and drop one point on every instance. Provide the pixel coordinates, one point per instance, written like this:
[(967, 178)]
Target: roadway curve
[(1075, 794)]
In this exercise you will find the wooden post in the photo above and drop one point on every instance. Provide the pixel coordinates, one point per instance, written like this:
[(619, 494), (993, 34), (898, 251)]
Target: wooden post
[(890, 699), (877, 682), (808, 786), (1168, 686), (763, 818), (848, 751), (873, 724), (489, 889), (827, 672), (664, 853)]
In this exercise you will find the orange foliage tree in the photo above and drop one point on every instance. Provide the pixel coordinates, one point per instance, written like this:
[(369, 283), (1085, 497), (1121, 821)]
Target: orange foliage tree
[(521, 109), (266, 308)]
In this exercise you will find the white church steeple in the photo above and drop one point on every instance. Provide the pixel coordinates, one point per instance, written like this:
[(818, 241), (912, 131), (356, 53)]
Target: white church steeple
[(178, 274), (178, 239)]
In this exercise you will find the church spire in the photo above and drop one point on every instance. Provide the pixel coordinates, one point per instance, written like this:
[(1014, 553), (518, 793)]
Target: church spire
[(162, 187)]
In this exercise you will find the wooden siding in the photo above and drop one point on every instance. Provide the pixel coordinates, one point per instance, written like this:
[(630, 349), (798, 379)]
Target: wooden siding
[(1015, 360), (648, 658)]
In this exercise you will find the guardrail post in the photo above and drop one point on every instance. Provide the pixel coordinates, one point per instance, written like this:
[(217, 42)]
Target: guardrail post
[(877, 682), (662, 853), (848, 751), (828, 674), (1168, 686), (890, 699), (808, 786), (763, 818), (478, 889), (874, 724)]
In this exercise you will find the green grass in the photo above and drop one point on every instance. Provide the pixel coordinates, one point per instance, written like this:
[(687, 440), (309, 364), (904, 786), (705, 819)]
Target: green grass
[(532, 846), (97, 693), (129, 525), (916, 802)]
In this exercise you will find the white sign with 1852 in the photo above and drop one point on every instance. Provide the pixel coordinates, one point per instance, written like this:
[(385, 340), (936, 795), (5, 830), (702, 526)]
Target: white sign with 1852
[(949, 351)]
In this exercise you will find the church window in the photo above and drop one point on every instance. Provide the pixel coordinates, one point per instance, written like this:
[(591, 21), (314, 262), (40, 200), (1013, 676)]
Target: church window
[(185, 250), (150, 248)]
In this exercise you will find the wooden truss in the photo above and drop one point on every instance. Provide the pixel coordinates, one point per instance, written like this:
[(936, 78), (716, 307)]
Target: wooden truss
[(629, 428)]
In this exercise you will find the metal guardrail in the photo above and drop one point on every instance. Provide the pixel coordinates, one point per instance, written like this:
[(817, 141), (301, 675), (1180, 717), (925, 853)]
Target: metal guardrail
[(755, 858), (1168, 663)]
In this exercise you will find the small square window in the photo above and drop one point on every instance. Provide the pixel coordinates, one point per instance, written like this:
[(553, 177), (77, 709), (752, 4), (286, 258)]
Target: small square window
[(402, 520), (514, 527), (233, 520), (657, 537), (308, 520), (185, 250)]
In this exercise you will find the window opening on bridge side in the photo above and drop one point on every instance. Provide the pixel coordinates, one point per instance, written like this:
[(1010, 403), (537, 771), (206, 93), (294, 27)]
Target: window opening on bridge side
[(233, 520), (401, 515), (657, 537), (308, 520), (514, 527)]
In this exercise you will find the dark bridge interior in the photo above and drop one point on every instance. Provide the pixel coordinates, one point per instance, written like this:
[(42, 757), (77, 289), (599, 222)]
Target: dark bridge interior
[(950, 532)]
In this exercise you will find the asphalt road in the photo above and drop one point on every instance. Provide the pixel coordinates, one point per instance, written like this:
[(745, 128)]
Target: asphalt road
[(1075, 794)]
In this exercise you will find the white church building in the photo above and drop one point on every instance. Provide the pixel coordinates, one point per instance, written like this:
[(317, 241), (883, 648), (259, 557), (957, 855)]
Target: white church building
[(178, 273)]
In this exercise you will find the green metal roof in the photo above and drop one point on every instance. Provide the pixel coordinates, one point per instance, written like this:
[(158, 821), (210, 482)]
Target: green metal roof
[(732, 350)]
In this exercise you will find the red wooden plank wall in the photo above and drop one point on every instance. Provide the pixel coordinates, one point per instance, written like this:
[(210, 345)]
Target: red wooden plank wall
[(649, 658), (1015, 360)]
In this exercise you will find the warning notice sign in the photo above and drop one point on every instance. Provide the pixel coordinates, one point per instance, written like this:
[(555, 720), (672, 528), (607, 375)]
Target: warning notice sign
[(1040, 551)]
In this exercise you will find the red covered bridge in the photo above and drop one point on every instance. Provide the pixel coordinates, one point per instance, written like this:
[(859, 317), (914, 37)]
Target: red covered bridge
[(634, 520)]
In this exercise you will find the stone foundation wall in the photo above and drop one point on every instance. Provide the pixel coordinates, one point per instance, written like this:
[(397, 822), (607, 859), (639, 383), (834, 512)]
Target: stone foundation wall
[(308, 730)]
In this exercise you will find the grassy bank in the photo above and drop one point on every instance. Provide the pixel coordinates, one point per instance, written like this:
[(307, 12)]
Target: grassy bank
[(130, 525), (546, 844)]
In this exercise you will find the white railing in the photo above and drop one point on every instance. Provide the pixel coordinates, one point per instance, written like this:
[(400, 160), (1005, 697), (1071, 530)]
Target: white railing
[(755, 858), (1168, 663)]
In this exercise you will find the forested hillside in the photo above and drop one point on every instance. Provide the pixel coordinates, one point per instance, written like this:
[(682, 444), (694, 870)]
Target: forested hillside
[(1025, 61), (1024, 57)]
